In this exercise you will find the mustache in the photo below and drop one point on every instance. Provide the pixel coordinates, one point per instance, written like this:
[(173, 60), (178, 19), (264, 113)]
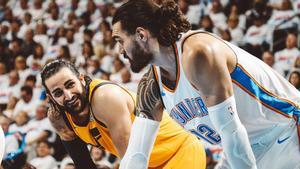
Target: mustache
[(74, 98)]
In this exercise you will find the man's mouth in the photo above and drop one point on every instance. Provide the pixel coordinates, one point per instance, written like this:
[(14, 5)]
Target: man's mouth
[(72, 102)]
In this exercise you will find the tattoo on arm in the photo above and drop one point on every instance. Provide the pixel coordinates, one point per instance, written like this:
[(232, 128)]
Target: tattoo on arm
[(149, 104), (60, 125)]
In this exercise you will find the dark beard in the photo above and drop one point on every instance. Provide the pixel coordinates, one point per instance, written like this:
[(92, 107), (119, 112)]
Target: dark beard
[(140, 58), (76, 110)]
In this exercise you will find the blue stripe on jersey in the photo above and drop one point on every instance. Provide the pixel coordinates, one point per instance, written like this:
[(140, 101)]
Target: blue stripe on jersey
[(246, 82)]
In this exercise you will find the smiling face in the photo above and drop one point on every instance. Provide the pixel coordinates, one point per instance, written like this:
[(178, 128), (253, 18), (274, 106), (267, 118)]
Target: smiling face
[(138, 56), (67, 91)]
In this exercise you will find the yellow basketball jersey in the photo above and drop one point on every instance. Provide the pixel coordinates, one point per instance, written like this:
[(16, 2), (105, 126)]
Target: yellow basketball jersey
[(170, 136)]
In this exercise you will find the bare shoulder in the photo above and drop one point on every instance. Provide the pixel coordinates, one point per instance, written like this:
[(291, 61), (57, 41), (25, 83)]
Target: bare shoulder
[(113, 100), (60, 125), (207, 47), (149, 101), (109, 95), (204, 51)]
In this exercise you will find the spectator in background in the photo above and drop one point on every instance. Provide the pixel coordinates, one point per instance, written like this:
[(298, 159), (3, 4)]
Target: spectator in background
[(235, 11), (8, 15), (283, 18), (15, 50), (294, 79), (21, 9), (37, 11), (118, 65), (87, 53), (44, 160), (14, 29), (93, 67), (284, 59), (28, 44), (11, 141), (192, 10), (14, 156), (71, 18), (207, 24), (31, 82), (256, 36), (41, 36), (258, 8), (37, 56), (87, 35), (235, 31), (94, 14), (268, 58), (10, 90), (39, 127), (226, 35), (27, 23), (53, 22), (20, 66), (98, 156), (26, 103), (98, 37), (217, 16), (72, 44), (21, 123), (64, 53), (126, 80), (297, 63)]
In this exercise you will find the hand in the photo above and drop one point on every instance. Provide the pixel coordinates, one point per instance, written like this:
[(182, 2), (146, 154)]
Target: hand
[(53, 108)]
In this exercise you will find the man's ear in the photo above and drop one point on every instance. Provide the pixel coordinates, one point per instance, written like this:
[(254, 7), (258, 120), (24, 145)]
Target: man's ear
[(141, 34)]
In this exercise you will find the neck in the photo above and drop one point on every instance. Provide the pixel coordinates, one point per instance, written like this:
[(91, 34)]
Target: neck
[(166, 60), (82, 117)]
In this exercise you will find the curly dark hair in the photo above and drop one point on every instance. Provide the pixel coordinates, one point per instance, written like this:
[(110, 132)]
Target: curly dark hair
[(165, 22)]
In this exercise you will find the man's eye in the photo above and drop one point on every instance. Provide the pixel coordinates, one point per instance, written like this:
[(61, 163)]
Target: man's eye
[(70, 85), (58, 94)]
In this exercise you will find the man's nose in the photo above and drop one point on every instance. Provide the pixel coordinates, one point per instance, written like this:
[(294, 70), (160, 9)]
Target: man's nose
[(68, 95)]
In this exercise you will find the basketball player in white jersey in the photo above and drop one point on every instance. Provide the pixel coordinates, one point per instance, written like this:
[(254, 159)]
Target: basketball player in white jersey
[(214, 89)]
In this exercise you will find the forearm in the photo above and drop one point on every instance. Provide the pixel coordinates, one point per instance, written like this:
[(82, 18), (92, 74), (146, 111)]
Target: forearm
[(142, 138), (234, 136), (79, 153)]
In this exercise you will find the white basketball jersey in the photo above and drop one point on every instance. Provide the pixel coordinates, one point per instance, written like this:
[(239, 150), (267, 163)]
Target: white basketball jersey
[(264, 99)]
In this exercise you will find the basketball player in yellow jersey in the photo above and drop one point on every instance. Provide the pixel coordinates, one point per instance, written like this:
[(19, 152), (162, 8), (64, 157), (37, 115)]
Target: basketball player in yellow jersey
[(100, 113)]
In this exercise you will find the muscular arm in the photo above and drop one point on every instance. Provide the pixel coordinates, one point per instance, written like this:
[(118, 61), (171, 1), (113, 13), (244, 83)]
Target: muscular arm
[(149, 103), (112, 105), (207, 63)]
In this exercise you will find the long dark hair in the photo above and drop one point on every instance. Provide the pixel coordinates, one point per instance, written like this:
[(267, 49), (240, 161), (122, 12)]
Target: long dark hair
[(165, 22)]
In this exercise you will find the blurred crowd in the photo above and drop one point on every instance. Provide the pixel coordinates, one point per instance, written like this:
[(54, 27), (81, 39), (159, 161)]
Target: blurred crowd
[(34, 32)]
